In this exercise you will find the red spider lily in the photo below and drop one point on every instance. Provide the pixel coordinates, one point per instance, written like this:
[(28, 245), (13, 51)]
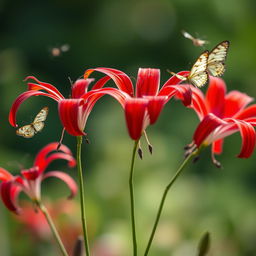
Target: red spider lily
[(74, 111), (144, 106), (30, 179), (35, 223), (223, 114)]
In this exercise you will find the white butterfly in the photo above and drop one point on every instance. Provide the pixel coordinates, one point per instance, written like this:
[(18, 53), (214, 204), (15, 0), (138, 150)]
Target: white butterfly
[(28, 131), (216, 60), (198, 75), (196, 41)]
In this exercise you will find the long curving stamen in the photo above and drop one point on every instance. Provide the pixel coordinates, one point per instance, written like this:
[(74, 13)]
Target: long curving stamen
[(215, 162), (61, 139)]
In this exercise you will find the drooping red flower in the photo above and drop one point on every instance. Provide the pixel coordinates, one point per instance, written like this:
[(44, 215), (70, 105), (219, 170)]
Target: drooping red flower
[(73, 111), (143, 106), (30, 179), (222, 114), (34, 222)]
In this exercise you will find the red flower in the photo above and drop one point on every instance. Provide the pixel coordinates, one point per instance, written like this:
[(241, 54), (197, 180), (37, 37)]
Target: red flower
[(30, 179), (35, 223), (223, 114), (73, 112), (144, 106)]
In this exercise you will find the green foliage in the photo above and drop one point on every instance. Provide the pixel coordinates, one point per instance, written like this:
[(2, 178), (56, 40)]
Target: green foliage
[(128, 35)]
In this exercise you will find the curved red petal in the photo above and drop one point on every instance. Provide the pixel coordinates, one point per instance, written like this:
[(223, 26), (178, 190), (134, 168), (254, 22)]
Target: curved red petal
[(206, 127), (122, 81), (45, 151), (217, 146), (249, 112), (174, 79), (198, 103), (56, 156), (9, 193), (66, 178), (43, 86), (251, 120), (235, 103), (182, 92), (80, 87), (248, 138), (29, 174), (136, 116), (5, 175), (215, 96), (155, 106), (101, 82), (94, 95), (148, 82), (22, 97), (70, 112)]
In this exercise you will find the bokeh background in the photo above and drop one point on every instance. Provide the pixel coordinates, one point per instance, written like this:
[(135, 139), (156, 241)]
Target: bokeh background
[(128, 35)]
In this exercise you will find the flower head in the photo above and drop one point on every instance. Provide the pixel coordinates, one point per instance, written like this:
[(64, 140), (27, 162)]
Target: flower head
[(30, 179), (222, 114), (143, 105), (73, 111)]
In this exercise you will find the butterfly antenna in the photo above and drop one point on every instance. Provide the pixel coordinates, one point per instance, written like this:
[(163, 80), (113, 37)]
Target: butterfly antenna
[(140, 152), (150, 147), (61, 139)]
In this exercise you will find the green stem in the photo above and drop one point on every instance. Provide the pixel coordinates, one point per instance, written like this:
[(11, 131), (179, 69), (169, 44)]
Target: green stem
[(132, 199), (52, 226), (167, 188), (81, 190)]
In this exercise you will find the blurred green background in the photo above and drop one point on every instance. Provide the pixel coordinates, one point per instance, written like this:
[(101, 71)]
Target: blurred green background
[(128, 35)]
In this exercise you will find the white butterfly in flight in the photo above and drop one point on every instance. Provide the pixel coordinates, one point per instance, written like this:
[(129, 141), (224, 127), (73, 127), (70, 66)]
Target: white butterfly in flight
[(216, 60), (208, 63), (198, 75), (196, 41), (28, 131)]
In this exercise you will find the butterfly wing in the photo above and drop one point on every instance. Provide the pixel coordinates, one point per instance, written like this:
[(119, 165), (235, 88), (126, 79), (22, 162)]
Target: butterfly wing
[(187, 35), (38, 126), (41, 116), (217, 57), (26, 131), (38, 122), (199, 80), (198, 75)]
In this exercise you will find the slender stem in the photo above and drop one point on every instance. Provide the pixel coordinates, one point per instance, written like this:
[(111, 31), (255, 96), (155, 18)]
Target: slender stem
[(52, 226), (167, 188), (81, 190), (134, 240)]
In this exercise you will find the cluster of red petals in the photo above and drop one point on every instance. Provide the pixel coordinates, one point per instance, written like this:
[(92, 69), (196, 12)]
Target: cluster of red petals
[(222, 114), (143, 106), (73, 111), (30, 179)]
